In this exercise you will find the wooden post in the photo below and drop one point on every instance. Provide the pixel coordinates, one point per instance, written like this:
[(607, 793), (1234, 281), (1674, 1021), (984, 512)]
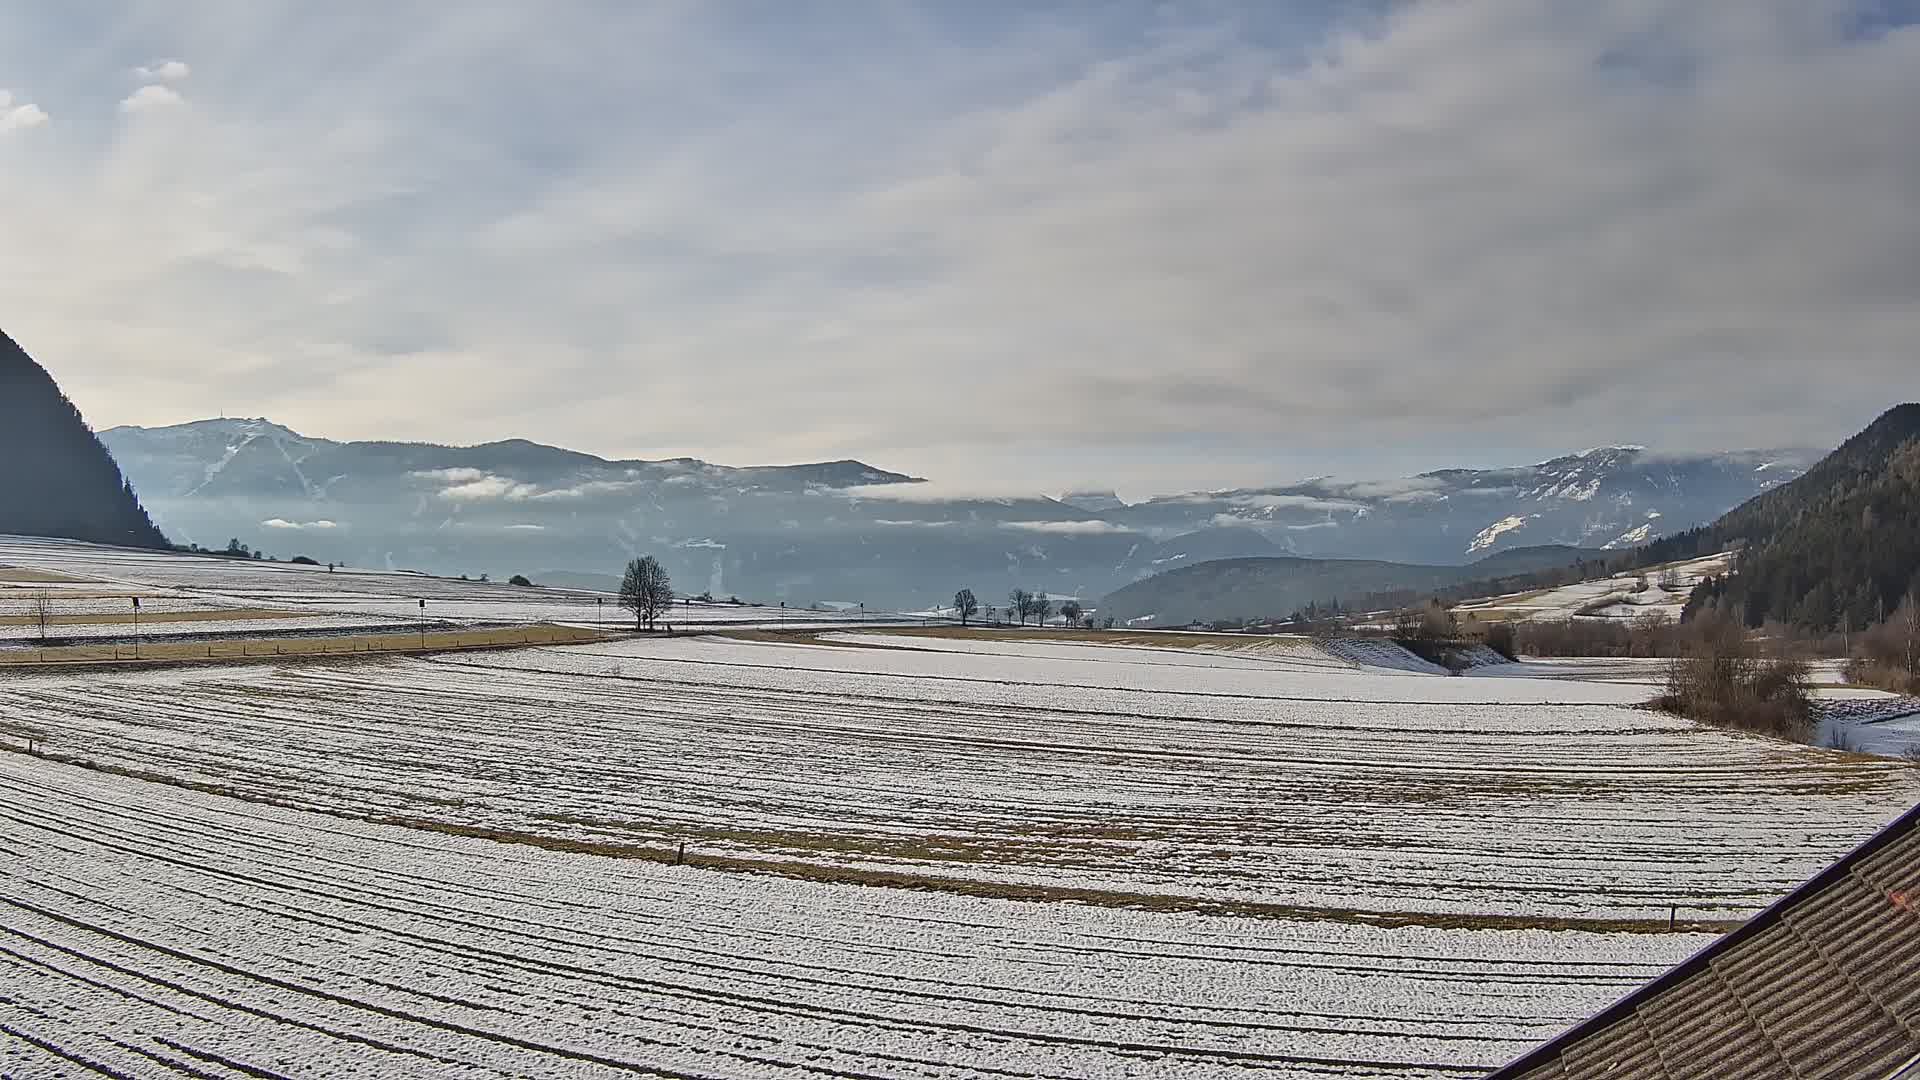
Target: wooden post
[(1673, 913), (680, 855)]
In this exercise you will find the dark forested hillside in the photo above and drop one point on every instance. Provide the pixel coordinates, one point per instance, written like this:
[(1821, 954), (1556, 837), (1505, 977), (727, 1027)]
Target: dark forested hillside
[(1273, 588), (55, 477), (1835, 549)]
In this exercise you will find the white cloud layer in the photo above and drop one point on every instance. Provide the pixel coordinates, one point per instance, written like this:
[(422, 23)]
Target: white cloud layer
[(488, 487), (986, 246), (152, 96), (19, 117), (164, 71), (937, 491), (1067, 528)]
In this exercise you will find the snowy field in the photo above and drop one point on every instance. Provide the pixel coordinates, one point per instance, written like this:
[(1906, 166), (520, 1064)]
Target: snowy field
[(26, 634), (908, 854), (153, 931), (1623, 597), (91, 579), (1190, 780)]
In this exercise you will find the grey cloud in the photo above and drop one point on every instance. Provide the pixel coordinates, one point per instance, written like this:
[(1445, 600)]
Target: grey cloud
[(1673, 221)]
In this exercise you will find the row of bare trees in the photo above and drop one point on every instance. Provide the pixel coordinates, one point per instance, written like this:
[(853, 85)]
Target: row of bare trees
[(1650, 634), (1022, 604)]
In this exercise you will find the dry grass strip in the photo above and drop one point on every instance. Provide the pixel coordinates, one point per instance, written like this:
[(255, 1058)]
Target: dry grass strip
[(343, 645)]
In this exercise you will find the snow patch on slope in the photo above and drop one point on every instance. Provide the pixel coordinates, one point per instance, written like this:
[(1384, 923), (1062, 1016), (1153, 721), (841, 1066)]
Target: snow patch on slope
[(1639, 535), (1490, 535)]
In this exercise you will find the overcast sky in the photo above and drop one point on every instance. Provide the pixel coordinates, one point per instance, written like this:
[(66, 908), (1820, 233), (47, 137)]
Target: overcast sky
[(1152, 246)]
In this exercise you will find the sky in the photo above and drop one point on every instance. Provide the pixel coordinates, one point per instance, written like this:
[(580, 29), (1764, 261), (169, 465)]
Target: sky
[(1150, 246)]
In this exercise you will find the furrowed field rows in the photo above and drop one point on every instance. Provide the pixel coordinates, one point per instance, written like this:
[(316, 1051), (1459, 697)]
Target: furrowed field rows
[(950, 770), (147, 930)]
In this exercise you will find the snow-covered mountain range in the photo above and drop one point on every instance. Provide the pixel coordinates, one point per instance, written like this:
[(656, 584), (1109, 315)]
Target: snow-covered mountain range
[(848, 531), (1611, 497)]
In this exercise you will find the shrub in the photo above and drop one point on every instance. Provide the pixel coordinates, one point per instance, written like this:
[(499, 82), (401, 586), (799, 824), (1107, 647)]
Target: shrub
[(521, 580), (304, 560), (1573, 637), (1864, 671), (1888, 655), (1501, 639), (1721, 679)]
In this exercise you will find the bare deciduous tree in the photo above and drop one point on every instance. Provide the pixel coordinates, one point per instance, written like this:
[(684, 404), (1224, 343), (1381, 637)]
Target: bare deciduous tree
[(1887, 655), (1648, 633), (965, 605), (42, 612), (1071, 611), (1908, 619), (1430, 622), (646, 591), (1020, 605), (1042, 607)]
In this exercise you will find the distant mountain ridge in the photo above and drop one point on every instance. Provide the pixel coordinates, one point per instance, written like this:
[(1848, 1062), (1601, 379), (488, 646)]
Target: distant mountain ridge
[(253, 457), (1610, 497), (849, 531), (56, 479)]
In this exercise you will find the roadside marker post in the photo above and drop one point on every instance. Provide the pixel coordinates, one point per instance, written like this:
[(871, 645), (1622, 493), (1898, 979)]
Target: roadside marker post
[(136, 628)]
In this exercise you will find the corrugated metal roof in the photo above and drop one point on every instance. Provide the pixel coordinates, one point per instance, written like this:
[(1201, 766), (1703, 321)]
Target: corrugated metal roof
[(1823, 985)]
